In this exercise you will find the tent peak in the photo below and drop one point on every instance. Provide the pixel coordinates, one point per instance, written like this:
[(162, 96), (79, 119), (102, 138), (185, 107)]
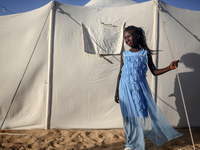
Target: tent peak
[(109, 3)]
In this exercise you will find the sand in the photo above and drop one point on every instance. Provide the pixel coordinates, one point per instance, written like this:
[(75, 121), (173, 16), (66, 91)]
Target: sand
[(57, 139)]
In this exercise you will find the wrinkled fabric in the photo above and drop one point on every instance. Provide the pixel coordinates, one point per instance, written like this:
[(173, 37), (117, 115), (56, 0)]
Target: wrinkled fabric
[(102, 38), (141, 116)]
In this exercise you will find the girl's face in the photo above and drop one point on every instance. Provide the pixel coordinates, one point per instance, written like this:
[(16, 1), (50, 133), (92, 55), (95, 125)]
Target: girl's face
[(131, 38)]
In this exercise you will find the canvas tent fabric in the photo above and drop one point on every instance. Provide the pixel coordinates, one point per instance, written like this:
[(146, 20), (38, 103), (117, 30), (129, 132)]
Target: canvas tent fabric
[(109, 3), (103, 38), (83, 85), (181, 28)]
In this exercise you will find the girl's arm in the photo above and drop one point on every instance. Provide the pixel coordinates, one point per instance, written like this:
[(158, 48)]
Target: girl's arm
[(156, 71), (118, 79)]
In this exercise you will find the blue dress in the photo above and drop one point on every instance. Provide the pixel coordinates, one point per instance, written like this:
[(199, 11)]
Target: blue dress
[(141, 116)]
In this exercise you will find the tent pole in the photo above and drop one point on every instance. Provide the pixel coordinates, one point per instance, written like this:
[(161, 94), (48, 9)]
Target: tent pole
[(50, 67), (155, 47)]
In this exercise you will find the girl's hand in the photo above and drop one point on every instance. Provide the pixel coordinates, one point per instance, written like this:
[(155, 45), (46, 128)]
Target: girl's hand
[(174, 65), (117, 97)]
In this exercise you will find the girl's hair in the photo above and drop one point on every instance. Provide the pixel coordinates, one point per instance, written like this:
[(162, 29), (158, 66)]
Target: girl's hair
[(142, 38)]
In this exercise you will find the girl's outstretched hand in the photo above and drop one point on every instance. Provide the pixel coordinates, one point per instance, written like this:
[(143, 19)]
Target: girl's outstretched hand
[(117, 97), (174, 64)]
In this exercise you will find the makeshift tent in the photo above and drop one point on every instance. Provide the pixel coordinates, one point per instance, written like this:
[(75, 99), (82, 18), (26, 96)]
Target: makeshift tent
[(59, 64)]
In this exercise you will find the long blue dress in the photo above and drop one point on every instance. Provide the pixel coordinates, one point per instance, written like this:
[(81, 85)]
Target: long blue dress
[(141, 116)]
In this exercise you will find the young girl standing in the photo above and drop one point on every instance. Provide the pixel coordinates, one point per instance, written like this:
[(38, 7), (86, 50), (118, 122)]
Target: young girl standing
[(141, 116)]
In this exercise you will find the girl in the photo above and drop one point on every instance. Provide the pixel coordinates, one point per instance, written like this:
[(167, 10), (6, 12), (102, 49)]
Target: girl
[(141, 116)]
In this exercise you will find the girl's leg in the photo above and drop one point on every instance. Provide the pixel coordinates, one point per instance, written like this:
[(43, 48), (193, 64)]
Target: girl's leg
[(133, 134)]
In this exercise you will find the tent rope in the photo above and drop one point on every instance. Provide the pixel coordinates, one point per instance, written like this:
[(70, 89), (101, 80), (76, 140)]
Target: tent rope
[(25, 70), (6, 9), (179, 83)]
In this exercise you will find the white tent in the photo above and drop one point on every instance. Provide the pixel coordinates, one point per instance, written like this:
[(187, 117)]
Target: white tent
[(109, 3), (59, 68)]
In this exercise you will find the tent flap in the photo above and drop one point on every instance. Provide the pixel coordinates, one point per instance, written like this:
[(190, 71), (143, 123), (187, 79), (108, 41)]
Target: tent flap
[(103, 38)]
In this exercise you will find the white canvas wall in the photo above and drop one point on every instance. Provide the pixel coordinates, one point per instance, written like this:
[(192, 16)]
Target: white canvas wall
[(182, 28), (19, 39), (83, 85)]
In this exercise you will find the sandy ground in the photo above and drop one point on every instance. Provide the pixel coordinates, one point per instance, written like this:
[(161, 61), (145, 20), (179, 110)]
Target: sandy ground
[(55, 139)]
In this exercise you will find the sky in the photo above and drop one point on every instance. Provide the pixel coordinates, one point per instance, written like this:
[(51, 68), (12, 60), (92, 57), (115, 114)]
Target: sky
[(18, 6)]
